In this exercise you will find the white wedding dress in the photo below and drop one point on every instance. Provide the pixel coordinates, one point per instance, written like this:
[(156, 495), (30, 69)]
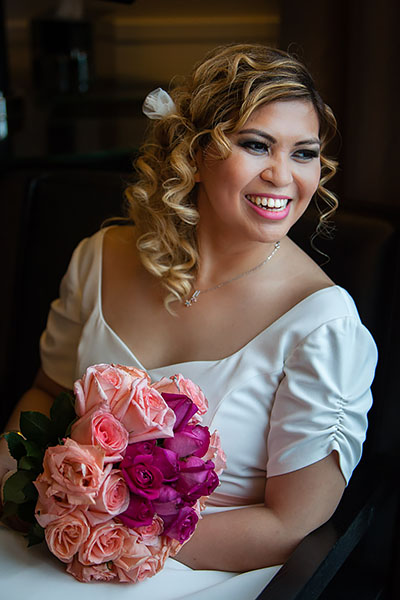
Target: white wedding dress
[(288, 398)]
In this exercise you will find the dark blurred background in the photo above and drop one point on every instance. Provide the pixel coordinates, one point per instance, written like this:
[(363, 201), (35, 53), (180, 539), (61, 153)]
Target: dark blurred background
[(73, 73)]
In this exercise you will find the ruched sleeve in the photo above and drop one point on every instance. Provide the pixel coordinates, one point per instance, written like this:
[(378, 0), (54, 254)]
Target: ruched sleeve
[(60, 340), (322, 401)]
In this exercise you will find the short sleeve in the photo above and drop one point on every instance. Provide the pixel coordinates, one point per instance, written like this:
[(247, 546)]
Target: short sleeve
[(60, 340), (322, 402)]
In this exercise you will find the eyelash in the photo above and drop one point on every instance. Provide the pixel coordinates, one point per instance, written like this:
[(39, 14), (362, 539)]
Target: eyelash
[(261, 147)]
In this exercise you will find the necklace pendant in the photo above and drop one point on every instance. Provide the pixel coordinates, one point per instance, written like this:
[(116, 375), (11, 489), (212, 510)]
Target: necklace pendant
[(192, 299)]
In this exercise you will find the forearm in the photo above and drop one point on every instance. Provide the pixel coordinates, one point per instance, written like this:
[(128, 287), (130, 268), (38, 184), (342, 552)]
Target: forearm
[(250, 538), (239, 540), (34, 399)]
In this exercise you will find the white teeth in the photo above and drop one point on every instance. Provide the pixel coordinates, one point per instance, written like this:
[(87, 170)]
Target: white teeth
[(266, 202)]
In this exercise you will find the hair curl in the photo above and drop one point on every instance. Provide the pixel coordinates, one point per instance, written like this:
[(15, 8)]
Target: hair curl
[(215, 101)]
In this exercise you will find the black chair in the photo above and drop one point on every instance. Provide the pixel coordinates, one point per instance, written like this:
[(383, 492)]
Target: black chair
[(55, 210), (354, 554)]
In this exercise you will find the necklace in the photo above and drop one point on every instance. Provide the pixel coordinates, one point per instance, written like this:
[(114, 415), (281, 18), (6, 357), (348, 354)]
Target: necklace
[(194, 297)]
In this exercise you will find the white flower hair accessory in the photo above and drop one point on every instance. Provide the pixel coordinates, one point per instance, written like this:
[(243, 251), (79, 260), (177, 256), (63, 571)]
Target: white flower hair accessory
[(158, 104)]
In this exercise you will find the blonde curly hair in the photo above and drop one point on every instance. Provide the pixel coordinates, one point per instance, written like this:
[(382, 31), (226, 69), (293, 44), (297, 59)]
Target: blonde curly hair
[(215, 101)]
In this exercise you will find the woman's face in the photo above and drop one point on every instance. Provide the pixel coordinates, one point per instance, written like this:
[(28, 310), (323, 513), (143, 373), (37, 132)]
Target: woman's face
[(268, 180)]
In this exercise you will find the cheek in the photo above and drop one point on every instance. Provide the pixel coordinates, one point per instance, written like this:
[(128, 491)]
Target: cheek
[(311, 183)]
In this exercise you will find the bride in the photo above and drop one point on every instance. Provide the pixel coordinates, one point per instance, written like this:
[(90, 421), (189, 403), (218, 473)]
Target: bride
[(205, 281)]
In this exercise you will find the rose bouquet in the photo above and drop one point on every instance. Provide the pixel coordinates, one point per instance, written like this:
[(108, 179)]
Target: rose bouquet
[(116, 478)]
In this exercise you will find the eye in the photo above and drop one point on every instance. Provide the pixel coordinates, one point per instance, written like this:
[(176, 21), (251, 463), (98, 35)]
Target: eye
[(255, 146), (306, 154)]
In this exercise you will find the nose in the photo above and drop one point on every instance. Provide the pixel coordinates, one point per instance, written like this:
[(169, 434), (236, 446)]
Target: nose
[(277, 172)]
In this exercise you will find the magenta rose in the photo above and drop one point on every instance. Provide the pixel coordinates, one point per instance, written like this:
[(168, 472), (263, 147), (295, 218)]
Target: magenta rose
[(146, 447), (142, 476), (167, 462), (100, 428), (179, 384), (197, 478), (168, 502), (182, 526), (139, 513), (191, 440), (183, 408)]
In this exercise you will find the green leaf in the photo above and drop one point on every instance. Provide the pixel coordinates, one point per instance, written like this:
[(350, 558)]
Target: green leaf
[(26, 511), (36, 427), (9, 510), (14, 487), (15, 444), (30, 463), (33, 450), (62, 414), (35, 535), (30, 491)]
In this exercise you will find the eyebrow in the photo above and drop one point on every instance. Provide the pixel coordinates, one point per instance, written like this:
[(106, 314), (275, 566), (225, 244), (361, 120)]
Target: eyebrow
[(271, 139)]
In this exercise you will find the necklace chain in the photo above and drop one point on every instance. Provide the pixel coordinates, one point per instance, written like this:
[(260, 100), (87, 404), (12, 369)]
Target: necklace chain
[(194, 297)]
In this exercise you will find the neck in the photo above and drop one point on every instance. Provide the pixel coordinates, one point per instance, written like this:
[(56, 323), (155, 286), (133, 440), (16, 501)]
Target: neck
[(222, 261)]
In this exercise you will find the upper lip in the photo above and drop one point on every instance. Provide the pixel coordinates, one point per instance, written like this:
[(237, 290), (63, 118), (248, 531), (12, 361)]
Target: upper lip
[(275, 196)]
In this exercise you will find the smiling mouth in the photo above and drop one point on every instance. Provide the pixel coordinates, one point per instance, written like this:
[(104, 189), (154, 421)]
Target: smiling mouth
[(274, 204)]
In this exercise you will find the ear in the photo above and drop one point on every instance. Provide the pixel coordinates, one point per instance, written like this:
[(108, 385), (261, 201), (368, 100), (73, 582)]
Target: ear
[(197, 162)]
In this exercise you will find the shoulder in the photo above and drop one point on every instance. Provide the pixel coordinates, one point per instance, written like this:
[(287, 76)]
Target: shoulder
[(119, 247), (303, 270), (293, 278)]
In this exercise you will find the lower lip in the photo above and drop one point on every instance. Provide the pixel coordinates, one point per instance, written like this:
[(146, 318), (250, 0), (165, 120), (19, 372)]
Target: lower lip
[(272, 215)]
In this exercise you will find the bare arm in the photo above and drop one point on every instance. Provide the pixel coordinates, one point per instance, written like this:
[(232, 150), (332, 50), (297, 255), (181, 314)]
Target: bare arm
[(251, 538), (39, 397)]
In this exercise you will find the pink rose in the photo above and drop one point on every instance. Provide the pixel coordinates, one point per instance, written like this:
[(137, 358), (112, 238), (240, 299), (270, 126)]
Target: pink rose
[(134, 553), (104, 384), (154, 563), (73, 472), (105, 542), (112, 499), (49, 508), (178, 383), (144, 412), (216, 454), (65, 536), (150, 534), (99, 427), (102, 572)]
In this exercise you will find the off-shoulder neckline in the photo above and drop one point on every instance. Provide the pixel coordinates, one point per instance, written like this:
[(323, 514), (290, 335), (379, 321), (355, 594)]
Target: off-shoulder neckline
[(253, 340)]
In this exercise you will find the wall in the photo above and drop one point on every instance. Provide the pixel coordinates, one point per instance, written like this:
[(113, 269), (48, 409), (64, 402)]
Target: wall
[(150, 40)]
